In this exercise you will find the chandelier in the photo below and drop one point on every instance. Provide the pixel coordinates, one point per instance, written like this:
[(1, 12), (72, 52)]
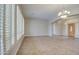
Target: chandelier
[(64, 14)]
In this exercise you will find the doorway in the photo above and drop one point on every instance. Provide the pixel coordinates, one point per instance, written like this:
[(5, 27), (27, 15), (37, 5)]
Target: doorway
[(71, 30)]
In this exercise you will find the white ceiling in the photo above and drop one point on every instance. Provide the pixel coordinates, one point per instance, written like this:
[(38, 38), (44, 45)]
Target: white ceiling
[(47, 11)]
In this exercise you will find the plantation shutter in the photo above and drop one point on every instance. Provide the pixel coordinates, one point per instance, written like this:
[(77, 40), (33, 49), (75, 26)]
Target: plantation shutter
[(1, 29)]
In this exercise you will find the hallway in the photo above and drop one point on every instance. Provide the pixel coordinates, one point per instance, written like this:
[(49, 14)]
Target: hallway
[(56, 45)]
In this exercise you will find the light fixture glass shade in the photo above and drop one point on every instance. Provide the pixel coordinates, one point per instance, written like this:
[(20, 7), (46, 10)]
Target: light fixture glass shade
[(68, 12), (65, 11), (64, 16), (60, 13)]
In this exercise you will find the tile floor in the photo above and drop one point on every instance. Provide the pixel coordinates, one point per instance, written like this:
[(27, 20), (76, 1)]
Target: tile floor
[(55, 45)]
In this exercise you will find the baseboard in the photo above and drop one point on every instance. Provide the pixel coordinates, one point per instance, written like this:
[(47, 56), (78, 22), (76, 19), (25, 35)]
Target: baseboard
[(57, 35), (14, 49), (34, 35), (77, 37)]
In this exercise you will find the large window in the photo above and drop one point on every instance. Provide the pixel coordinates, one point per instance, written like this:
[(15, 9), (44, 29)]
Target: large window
[(11, 26), (7, 27), (1, 28)]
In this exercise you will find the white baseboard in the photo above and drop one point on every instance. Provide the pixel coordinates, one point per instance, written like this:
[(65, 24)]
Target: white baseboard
[(35, 35), (58, 35)]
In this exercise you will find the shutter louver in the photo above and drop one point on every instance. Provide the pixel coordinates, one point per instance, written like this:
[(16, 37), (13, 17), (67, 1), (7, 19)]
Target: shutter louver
[(7, 28), (1, 29)]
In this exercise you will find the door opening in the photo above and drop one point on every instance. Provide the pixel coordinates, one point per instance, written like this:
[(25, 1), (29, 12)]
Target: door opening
[(71, 30)]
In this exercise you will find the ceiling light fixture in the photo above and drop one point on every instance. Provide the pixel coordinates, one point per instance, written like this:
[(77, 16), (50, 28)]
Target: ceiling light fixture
[(64, 14)]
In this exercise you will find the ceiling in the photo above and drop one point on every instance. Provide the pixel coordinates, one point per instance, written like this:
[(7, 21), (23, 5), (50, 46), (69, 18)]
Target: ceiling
[(47, 11)]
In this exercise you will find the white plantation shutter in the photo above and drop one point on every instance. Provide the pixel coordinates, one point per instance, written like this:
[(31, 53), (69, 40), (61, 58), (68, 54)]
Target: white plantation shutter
[(8, 27), (10, 35), (1, 29), (11, 26)]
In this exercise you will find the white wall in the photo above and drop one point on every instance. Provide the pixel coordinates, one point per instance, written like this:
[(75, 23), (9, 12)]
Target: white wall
[(50, 29), (57, 28), (77, 30), (36, 27)]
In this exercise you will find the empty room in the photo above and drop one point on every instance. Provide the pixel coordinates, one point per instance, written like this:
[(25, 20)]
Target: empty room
[(39, 29)]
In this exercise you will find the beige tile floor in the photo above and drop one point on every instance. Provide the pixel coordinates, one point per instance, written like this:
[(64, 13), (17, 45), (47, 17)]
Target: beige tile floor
[(55, 45)]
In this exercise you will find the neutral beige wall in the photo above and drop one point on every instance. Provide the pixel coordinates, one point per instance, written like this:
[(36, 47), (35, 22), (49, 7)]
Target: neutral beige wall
[(36, 27)]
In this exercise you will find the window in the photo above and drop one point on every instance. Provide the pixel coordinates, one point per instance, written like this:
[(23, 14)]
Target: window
[(7, 27), (13, 22), (11, 26), (1, 28)]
